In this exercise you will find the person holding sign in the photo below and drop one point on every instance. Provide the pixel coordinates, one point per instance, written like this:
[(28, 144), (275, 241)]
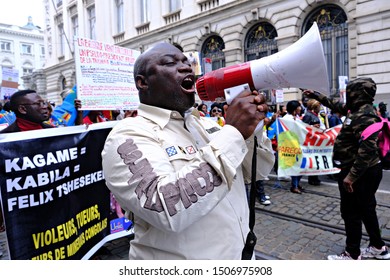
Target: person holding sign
[(179, 174), (293, 113)]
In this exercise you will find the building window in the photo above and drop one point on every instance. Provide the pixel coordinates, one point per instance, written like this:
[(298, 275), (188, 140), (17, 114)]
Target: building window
[(332, 23), (213, 49), (92, 22), (174, 5), (27, 69), (144, 4), (59, 3), (6, 63), (5, 46), (120, 18), (26, 49), (42, 47), (61, 40), (63, 84), (75, 26), (260, 41)]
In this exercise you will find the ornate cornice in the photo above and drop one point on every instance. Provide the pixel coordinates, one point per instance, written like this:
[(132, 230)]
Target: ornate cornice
[(21, 34)]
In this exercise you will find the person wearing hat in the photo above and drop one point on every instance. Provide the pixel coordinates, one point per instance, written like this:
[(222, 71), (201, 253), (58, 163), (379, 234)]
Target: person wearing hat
[(382, 108), (361, 169)]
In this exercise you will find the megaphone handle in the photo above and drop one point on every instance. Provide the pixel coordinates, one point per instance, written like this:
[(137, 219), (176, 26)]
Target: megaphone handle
[(231, 93), (259, 127)]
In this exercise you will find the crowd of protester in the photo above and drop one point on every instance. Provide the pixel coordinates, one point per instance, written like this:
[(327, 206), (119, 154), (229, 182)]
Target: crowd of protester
[(26, 110)]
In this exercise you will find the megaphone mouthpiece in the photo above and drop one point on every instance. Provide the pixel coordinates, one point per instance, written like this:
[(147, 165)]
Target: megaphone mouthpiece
[(213, 84)]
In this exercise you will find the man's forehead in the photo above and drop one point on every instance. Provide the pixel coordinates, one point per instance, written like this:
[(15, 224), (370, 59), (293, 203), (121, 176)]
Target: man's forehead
[(32, 96)]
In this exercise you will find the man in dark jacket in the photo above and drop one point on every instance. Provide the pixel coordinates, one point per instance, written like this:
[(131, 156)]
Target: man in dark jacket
[(31, 112), (361, 170)]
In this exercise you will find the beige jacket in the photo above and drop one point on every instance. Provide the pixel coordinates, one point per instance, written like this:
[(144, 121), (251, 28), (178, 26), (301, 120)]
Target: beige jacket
[(185, 187)]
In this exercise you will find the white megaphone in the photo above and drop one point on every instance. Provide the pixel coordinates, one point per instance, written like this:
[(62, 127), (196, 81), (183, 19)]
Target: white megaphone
[(300, 65)]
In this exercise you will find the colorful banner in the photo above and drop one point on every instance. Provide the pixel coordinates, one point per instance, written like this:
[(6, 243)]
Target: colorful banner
[(54, 198), (304, 149)]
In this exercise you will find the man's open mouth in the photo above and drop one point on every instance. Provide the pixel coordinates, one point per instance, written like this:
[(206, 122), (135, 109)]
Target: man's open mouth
[(188, 84)]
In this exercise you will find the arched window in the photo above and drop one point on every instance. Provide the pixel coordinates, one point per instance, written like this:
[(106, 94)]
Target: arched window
[(63, 84), (213, 49), (27, 68), (260, 41), (6, 63), (332, 23)]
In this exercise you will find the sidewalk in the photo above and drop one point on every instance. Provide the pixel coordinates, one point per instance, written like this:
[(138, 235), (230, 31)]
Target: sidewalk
[(290, 240)]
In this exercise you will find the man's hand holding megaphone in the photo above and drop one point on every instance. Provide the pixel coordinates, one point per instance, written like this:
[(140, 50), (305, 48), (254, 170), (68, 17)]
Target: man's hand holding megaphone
[(245, 112)]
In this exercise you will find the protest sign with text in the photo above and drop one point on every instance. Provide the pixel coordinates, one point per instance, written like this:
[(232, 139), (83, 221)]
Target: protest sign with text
[(105, 76), (54, 198), (304, 149)]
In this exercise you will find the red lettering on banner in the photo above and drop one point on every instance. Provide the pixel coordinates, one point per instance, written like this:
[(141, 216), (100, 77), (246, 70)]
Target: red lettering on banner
[(316, 138)]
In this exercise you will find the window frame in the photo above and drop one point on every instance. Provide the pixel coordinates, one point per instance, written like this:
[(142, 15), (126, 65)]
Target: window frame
[(26, 48), (144, 11), (120, 18), (8, 46), (91, 10), (332, 23)]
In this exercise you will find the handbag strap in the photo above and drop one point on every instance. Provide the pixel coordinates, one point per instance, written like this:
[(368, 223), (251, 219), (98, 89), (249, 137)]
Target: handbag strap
[(252, 195), (251, 239)]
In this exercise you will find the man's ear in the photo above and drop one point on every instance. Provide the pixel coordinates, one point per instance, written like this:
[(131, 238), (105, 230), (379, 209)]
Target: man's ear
[(141, 83), (22, 109)]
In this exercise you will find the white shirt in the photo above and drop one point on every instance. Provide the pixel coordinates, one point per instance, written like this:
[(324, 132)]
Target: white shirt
[(184, 187)]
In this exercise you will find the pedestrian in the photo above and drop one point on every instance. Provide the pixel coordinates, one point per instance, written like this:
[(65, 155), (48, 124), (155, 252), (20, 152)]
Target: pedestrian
[(203, 110), (217, 113), (361, 170), (312, 118), (178, 174), (31, 113), (263, 168), (334, 118), (293, 112), (382, 109)]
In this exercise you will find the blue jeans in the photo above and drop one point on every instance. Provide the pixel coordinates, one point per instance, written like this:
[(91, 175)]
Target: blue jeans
[(295, 181)]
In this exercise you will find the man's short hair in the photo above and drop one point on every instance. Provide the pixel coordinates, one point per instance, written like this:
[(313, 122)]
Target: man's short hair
[(382, 106), (292, 106), (17, 96)]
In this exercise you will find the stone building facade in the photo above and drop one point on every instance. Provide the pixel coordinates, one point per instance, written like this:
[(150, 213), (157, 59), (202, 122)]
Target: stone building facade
[(355, 33), (22, 48)]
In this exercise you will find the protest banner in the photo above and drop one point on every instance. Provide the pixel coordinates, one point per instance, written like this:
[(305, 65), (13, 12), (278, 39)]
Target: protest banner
[(54, 198), (105, 76), (304, 149)]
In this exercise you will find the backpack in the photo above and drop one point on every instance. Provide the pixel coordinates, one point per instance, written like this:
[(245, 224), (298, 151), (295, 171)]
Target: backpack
[(383, 140)]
